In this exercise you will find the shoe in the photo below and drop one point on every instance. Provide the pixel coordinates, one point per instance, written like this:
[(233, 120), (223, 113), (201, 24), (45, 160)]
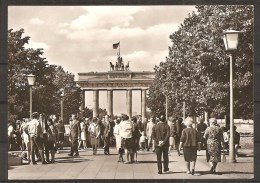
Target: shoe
[(166, 170), (160, 172), (43, 163), (34, 163), (70, 154), (188, 172), (192, 172), (211, 170), (77, 154)]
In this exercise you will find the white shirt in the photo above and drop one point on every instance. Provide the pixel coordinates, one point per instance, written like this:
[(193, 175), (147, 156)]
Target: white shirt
[(126, 129)]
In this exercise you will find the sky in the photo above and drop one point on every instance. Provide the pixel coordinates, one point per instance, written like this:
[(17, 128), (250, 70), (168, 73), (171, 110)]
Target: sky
[(80, 38)]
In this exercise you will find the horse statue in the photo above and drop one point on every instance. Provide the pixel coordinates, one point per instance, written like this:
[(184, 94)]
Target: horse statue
[(127, 66), (116, 67), (112, 67), (122, 66)]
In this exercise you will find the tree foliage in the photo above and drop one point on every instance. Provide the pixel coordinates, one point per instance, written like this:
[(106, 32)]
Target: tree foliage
[(49, 80), (197, 68)]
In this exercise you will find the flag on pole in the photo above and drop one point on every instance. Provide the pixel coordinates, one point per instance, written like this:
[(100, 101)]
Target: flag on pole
[(115, 46)]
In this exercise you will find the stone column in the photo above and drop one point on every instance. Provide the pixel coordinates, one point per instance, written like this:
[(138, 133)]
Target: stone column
[(83, 100), (129, 103), (110, 102), (95, 102), (143, 104)]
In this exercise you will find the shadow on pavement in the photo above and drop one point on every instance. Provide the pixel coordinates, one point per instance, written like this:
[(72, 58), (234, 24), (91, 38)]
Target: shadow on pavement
[(235, 172), (71, 161), (152, 161), (246, 155)]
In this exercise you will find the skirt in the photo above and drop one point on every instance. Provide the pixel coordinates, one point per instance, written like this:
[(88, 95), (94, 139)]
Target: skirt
[(171, 141), (190, 153)]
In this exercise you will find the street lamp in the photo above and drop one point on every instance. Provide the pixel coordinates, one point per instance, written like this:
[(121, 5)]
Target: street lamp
[(230, 38), (31, 80), (61, 103)]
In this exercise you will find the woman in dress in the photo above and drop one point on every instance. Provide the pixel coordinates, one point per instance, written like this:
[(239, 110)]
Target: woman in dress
[(83, 134), (94, 132), (214, 137), (26, 139), (189, 141), (117, 134)]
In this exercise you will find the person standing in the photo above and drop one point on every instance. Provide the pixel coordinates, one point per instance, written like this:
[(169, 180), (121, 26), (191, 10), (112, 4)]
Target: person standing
[(61, 131), (74, 135), (214, 136), (36, 134), (189, 141), (177, 135), (201, 130), (108, 133), (236, 140), (149, 130), (127, 142), (26, 139), (94, 132), (161, 134), (117, 134), (172, 133), (83, 134), (52, 143)]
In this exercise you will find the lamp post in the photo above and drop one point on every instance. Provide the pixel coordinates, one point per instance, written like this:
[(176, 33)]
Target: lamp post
[(230, 38), (166, 107), (31, 80), (61, 103)]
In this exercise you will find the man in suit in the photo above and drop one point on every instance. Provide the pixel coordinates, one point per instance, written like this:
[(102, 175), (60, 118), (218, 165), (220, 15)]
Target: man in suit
[(74, 135), (161, 134)]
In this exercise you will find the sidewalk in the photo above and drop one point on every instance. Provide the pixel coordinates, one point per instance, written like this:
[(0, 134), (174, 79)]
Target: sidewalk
[(100, 166)]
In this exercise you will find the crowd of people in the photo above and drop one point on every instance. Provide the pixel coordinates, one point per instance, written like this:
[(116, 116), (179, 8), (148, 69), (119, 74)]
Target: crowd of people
[(42, 137)]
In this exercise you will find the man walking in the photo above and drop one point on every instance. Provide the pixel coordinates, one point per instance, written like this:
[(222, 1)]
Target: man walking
[(74, 135), (36, 136), (161, 134)]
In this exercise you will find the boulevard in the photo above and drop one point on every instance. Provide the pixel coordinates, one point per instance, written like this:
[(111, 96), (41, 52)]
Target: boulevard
[(100, 166)]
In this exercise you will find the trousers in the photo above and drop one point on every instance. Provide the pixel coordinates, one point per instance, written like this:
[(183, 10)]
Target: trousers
[(74, 146), (159, 152)]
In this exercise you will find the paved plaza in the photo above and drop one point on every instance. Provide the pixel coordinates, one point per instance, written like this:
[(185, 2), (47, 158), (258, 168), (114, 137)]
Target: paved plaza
[(100, 166)]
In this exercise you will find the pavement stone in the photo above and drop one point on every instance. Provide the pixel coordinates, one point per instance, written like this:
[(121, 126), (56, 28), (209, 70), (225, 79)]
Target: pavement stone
[(100, 166)]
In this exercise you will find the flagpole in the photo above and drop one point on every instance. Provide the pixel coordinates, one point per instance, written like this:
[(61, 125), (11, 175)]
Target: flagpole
[(119, 48)]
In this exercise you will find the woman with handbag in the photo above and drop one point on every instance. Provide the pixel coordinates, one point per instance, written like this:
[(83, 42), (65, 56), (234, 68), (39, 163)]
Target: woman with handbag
[(214, 136), (52, 143)]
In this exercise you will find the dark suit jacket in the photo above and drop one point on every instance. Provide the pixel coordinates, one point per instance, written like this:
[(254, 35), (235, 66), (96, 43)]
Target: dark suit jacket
[(161, 132), (74, 129)]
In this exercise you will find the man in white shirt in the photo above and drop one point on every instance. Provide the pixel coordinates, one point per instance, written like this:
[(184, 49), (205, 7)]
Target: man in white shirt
[(36, 134), (149, 128)]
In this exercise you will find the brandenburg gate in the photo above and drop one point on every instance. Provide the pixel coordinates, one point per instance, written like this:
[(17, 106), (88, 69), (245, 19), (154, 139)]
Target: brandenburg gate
[(119, 79)]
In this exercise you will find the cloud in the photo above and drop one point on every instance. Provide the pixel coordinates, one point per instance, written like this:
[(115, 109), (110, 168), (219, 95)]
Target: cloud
[(36, 45), (105, 17), (36, 21)]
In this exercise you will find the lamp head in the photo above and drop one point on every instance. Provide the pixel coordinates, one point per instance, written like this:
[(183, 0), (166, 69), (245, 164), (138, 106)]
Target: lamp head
[(230, 38), (31, 79)]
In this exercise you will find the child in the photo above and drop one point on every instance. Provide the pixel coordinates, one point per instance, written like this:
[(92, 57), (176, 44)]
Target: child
[(226, 138), (142, 141), (121, 152), (51, 134)]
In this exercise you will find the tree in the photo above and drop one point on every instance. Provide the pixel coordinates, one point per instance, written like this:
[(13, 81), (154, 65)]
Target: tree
[(197, 68), (49, 80)]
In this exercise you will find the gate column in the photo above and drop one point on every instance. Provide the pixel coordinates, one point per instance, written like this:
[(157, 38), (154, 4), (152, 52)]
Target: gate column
[(129, 103), (95, 102), (110, 102), (143, 104)]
